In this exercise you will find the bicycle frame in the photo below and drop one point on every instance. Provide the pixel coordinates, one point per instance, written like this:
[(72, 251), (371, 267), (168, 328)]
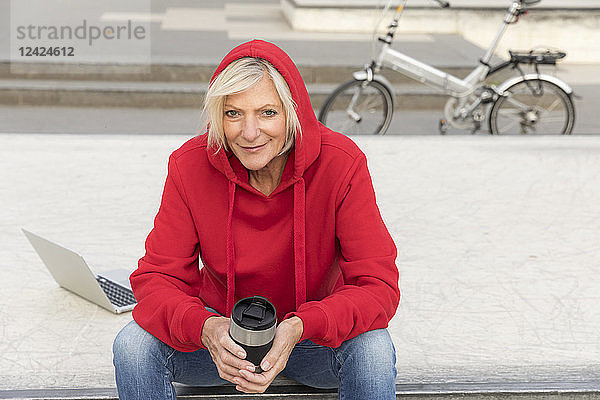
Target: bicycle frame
[(432, 76)]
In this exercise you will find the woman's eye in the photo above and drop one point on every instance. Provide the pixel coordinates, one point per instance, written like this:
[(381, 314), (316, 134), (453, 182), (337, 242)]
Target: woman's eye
[(231, 113), (270, 113)]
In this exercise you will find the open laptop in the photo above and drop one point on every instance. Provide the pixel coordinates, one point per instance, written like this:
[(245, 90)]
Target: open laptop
[(71, 272)]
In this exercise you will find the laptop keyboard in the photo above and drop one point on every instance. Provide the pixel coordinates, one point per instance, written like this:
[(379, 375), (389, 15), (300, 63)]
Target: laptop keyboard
[(117, 294)]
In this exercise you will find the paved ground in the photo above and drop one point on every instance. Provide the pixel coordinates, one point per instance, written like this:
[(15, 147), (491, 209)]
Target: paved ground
[(498, 241)]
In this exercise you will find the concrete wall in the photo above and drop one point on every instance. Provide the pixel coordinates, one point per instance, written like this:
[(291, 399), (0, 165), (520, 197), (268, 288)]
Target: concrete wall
[(575, 31)]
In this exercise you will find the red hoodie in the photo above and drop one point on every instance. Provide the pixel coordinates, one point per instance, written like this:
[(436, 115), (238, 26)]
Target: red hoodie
[(316, 247)]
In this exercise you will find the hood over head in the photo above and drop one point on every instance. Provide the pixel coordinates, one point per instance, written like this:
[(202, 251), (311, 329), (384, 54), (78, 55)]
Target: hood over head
[(308, 144), (305, 151)]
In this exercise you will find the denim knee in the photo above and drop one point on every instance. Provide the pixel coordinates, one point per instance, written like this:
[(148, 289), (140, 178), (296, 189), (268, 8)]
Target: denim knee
[(134, 349), (370, 354)]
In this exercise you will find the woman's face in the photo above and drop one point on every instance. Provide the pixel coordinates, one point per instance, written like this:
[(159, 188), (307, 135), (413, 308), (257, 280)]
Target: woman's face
[(254, 124)]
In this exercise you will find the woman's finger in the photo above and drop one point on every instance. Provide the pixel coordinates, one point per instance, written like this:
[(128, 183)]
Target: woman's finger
[(246, 386), (229, 370), (227, 377), (259, 379), (286, 338), (226, 358), (228, 344)]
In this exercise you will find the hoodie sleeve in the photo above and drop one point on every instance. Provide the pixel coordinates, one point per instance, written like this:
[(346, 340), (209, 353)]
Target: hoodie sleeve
[(370, 294), (166, 282)]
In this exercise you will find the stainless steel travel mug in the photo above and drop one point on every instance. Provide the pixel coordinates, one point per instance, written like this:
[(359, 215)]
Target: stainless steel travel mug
[(253, 324)]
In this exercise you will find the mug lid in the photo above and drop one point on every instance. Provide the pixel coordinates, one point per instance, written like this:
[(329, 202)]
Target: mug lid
[(254, 313)]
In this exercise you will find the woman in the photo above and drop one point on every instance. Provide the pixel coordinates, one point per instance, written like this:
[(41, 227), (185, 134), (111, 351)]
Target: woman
[(274, 204)]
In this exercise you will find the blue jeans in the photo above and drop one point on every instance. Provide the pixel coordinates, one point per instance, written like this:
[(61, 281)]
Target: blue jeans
[(361, 368)]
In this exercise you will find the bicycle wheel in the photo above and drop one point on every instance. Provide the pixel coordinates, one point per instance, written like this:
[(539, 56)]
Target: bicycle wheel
[(358, 108), (533, 106)]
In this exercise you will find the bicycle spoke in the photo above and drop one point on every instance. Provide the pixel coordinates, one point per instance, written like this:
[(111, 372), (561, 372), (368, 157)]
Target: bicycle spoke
[(511, 112), (369, 103), (553, 119), (512, 100), (514, 123), (553, 105)]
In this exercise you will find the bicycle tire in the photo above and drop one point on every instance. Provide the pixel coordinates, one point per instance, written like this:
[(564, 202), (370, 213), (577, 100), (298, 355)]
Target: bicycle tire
[(533, 106), (373, 106)]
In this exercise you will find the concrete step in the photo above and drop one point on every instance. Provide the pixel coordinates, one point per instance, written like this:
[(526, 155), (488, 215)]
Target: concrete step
[(168, 86), (200, 73), (184, 86), (168, 94), (481, 5), (284, 388)]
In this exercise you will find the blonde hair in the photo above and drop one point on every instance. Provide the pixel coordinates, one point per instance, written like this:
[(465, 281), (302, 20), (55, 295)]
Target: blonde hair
[(238, 76)]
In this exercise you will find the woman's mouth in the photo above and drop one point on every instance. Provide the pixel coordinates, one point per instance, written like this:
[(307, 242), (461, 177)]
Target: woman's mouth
[(253, 148)]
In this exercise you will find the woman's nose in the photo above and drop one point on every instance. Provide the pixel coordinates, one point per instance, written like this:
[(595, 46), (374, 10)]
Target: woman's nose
[(250, 129)]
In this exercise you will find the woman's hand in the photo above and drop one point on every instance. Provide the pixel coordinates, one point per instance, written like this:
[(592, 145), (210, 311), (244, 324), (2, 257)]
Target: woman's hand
[(287, 335), (226, 354)]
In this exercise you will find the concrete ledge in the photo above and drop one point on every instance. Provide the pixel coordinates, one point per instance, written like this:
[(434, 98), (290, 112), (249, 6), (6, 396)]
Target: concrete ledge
[(505, 391), (198, 73), (567, 28), (497, 238), (180, 72), (410, 95), (169, 95), (582, 5)]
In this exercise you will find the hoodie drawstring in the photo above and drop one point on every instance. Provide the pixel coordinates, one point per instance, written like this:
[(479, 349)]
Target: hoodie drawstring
[(230, 252), (299, 242)]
